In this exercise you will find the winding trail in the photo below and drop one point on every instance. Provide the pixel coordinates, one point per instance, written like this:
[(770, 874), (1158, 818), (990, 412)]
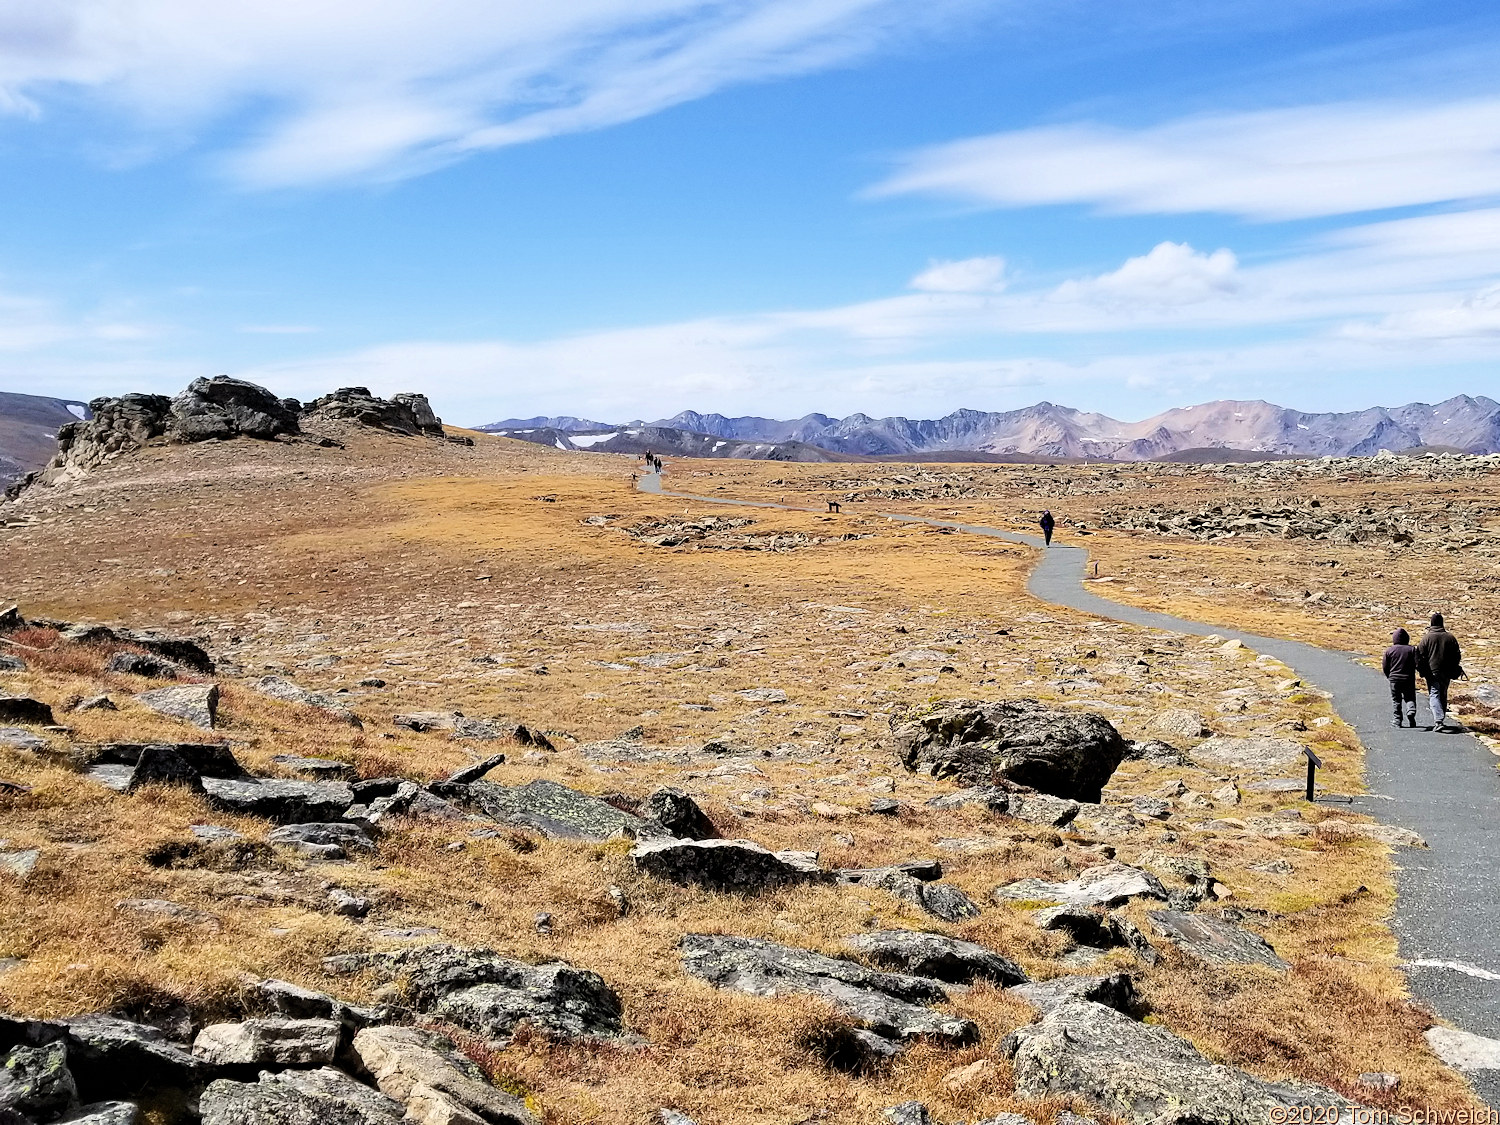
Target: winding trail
[(1444, 787)]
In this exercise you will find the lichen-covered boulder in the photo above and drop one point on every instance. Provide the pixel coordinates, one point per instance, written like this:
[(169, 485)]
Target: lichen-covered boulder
[(1068, 754), (223, 407)]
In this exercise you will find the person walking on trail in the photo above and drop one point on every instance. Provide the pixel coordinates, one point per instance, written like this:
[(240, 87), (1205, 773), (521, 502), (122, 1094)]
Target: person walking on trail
[(1048, 523), (1399, 666), (1438, 658)]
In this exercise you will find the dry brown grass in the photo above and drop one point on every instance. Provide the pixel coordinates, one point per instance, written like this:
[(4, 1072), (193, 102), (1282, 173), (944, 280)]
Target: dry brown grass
[(411, 573)]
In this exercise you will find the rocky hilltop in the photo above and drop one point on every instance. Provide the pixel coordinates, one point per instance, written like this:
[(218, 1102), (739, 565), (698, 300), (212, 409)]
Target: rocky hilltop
[(28, 431), (218, 409)]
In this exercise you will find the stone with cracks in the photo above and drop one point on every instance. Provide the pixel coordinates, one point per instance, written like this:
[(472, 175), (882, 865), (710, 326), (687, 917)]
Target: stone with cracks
[(422, 1071), (192, 703), (269, 1042), (311, 1097), (937, 956), (475, 772), (36, 1082), (720, 865), (492, 995), (1116, 990), (889, 1004), (1063, 753), (323, 769), (409, 414), (552, 809), (1214, 940), (24, 710), (162, 765), (19, 739), (679, 814), (941, 900), (1257, 754), (1145, 1074), (285, 802), (1109, 884)]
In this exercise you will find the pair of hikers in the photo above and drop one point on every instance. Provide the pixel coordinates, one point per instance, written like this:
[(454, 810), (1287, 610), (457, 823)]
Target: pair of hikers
[(1436, 659)]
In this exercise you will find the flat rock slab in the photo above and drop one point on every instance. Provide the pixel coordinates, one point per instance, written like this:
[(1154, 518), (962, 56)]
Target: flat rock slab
[(1109, 884), (110, 1056), (492, 995), (323, 839), (1214, 940), (554, 810), (1257, 754), (20, 862), (937, 956), (102, 1113), (1463, 1049), (1144, 1074), (422, 1071), (285, 802), (18, 739), (192, 703), (888, 1004), (324, 769), (722, 865)]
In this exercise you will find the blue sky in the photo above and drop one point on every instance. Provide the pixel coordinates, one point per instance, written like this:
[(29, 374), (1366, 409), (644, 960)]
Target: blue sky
[(623, 209)]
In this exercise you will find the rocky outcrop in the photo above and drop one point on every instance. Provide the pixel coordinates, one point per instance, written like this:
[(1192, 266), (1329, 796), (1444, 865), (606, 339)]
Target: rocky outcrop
[(551, 808), (1116, 990), (481, 991), (1109, 884), (1143, 1073), (223, 407), (1215, 940), (402, 413), (891, 1005), (309, 1097), (1068, 754), (427, 1074), (269, 1042)]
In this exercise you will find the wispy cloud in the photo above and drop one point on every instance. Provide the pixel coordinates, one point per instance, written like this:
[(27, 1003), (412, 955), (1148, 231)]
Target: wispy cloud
[(336, 89), (1276, 164)]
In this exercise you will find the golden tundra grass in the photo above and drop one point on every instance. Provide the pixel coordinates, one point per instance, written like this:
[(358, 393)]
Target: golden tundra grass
[(356, 550)]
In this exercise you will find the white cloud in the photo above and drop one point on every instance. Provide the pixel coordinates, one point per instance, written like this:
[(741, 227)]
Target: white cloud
[(1173, 273), (348, 88), (971, 275), (1475, 316), (1270, 165)]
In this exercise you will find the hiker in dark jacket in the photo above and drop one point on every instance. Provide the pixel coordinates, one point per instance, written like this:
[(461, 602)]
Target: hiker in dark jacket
[(1400, 668), (1048, 523), (1438, 658)]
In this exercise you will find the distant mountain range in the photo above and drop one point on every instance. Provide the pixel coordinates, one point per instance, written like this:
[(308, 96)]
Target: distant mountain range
[(28, 431), (1044, 431)]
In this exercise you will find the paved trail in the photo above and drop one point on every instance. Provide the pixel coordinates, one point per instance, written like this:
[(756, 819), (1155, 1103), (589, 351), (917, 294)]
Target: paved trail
[(1445, 787)]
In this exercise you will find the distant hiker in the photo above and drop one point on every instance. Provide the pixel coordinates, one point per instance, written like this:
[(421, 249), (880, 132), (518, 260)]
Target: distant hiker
[(1399, 666), (1438, 660), (1048, 523), (833, 506)]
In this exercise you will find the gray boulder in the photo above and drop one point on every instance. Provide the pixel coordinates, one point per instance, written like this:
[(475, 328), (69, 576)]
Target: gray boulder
[(426, 1073), (492, 995), (192, 703), (941, 900), (1116, 990), (102, 1113), (142, 664), (222, 407), (312, 1097), (552, 809), (25, 710), (937, 956), (907, 1113), (111, 1056), (322, 769), (269, 1042), (36, 1082), (1144, 1074), (470, 774), (1109, 884), (409, 414), (183, 651), (162, 765), (888, 1004), (1214, 940), (1066, 754), (678, 814), (720, 865), (18, 739), (285, 802)]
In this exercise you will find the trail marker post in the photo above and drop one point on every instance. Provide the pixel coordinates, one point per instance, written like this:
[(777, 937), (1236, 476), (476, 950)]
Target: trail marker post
[(1313, 762)]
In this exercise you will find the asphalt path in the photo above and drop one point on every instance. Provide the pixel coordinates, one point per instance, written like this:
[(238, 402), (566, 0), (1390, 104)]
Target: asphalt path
[(1444, 787)]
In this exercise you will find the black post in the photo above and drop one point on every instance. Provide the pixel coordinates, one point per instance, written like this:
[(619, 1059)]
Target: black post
[(1313, 762)]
